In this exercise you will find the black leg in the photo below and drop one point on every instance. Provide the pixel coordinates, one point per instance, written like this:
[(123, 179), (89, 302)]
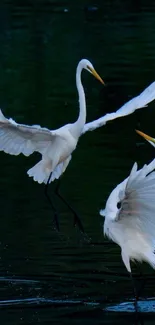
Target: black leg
[(139, 319), (77, 220), (134, 293), (51, 203)]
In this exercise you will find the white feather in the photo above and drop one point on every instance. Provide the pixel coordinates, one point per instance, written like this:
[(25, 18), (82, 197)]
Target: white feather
[(19, 138), (147, 96), (56, 146), (132, 226)]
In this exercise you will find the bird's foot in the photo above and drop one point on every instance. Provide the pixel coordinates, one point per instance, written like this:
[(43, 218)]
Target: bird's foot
[(136, 304), (139, 319)]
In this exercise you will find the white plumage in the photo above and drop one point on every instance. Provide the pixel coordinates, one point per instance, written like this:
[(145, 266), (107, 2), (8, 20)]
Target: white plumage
[(56, 146), (147, 96), (132, 225)]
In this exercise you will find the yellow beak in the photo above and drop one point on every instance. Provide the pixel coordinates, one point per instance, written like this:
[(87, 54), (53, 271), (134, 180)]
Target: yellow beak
[(96, 75), (145, 136)]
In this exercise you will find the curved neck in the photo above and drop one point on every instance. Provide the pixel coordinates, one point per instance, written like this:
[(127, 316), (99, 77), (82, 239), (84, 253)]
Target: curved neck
[(79, 124)]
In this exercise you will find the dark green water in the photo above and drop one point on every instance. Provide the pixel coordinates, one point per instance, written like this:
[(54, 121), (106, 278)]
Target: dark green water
[(40, 46)]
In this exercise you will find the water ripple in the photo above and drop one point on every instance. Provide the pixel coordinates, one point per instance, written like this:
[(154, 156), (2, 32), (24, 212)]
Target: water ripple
[(45, 301), (144, 306)]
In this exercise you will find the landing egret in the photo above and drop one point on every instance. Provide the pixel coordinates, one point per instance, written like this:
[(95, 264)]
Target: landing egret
[(56, 146), (147, 137), (130, 216)]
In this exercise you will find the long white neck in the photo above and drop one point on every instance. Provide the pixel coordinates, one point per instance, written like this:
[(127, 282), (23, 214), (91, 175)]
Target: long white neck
[(77, 127)]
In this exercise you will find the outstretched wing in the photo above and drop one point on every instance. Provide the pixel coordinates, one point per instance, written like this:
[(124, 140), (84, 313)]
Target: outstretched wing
[(147, 96), (19, 138), (138, 206)]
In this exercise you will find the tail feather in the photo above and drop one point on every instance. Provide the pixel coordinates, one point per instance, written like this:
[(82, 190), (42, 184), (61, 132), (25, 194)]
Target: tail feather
[(38, 172), (41, 171)]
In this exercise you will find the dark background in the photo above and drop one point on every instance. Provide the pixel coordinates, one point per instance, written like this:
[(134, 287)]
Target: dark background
[(41, 43)]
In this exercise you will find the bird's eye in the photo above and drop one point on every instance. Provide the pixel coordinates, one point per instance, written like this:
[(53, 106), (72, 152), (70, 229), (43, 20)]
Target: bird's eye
[(119, 205)]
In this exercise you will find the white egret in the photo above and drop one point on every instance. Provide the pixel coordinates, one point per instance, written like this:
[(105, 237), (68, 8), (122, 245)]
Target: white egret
[(56, 146), (129, 216)]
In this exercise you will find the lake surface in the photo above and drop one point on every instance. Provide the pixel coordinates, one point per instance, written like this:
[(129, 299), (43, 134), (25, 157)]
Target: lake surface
[(50, 277)]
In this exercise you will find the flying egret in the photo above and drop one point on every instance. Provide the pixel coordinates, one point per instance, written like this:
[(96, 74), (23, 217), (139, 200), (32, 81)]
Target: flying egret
[(129, 216), (147, 137), (56, 146)]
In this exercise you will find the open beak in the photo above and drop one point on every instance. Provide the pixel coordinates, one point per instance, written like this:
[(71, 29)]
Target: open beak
[(145, 136), (96, 75)]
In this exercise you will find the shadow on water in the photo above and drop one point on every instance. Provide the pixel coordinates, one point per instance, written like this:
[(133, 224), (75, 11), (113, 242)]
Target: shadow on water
[(49, 277)]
